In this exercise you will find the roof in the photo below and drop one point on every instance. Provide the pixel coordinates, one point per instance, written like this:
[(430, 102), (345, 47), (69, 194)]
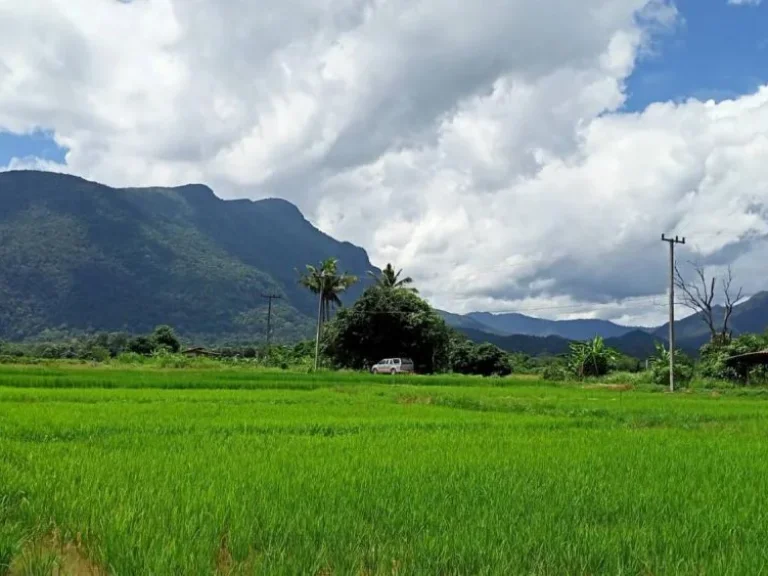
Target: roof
[(200, 350), (760, 357)]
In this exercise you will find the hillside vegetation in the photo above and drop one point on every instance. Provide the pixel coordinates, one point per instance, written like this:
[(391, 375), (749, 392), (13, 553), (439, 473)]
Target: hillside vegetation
[(80, 256)]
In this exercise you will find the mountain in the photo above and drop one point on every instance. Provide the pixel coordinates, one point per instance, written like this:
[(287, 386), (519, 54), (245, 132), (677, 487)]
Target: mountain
[(637, 344), (467, 323), (76, 255), (508, 324), (751, 316), (530, 345), (691, 332)]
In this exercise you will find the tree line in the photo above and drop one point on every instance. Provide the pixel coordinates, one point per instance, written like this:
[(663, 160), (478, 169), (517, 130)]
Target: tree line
[(391, 319)]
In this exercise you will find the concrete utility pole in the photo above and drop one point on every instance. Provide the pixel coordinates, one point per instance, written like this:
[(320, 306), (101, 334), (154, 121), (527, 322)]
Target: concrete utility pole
[(319, 317), (672, 242), (270, 297)]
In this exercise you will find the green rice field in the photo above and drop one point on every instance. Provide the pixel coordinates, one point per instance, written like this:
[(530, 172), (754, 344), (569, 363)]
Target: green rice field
[(166, 472)]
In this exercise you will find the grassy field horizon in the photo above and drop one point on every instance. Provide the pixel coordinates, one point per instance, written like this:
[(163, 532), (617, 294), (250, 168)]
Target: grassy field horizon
[(135, 471)]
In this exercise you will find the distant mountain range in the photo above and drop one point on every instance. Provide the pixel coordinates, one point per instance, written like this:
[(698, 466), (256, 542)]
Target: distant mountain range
[(519, 333), (570, 329), (79, 256)]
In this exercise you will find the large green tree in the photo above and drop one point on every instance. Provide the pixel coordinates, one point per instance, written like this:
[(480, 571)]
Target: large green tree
[(386, 324), (389, 279)]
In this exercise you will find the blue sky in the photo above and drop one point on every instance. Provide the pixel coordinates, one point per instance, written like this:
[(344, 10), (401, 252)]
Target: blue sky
[(39, 144), (716, 51)]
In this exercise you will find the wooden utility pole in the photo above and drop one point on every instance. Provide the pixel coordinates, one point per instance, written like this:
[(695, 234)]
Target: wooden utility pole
[(270, 297), (672, 242)]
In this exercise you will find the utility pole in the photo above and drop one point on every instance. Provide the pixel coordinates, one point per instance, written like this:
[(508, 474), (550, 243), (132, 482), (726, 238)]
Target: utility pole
[(270, 297), (319, 316), (672, 242)]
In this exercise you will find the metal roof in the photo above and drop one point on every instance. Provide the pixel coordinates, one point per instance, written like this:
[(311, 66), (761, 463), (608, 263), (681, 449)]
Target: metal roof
[(760, 357)]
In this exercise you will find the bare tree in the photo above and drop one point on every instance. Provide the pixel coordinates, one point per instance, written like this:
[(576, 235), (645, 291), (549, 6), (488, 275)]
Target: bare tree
[(699, 296), (729, 303)]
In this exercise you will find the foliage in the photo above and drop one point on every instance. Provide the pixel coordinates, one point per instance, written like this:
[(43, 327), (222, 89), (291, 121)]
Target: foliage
[(388, 323), (141, 345), (660, 367), (300, 355), (390, 280), (184, 257), (482, 359), (521, 363), (591, 358), (713, 357), (623, 363), (164, 337), (554, 373)]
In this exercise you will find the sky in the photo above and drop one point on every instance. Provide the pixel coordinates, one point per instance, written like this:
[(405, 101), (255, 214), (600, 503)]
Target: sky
[(509, 155)]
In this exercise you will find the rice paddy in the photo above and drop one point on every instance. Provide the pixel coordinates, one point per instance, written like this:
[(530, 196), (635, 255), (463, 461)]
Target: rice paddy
[(145, 471)]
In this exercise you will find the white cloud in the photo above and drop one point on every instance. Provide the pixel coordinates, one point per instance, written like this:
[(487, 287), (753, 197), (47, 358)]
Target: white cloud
[(745, 2), (482, 146)]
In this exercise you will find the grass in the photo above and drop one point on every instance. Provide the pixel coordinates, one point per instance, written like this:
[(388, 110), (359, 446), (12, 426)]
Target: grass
[(139, 471)]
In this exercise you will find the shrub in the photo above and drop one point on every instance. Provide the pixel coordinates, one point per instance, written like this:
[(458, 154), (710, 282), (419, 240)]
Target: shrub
[(141, 345), (660, 367), (714, 356), (98, 354), (481, 359), (554, 373), (591, 358), (131, 358)]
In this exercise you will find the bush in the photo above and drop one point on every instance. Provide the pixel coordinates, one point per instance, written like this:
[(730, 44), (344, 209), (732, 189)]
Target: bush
[(481, 359), (141, 345), (660, 367), (131, 358), (554, 373), (714, 356), (98, 354), (624, 363)]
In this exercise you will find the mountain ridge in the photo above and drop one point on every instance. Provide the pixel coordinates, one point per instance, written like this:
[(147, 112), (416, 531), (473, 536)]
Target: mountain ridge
[(184, 257), (516, 323), (749, 316)]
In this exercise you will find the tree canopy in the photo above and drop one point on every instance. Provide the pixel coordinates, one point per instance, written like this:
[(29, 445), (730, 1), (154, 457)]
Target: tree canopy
[(386, 324), (484, 359)]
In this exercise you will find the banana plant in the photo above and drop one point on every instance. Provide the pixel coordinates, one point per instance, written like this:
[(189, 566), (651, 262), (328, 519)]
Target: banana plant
[(590, 358)]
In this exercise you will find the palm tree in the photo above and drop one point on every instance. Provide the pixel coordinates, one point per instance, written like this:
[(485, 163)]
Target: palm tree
[(327, 283), (390, 280)]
